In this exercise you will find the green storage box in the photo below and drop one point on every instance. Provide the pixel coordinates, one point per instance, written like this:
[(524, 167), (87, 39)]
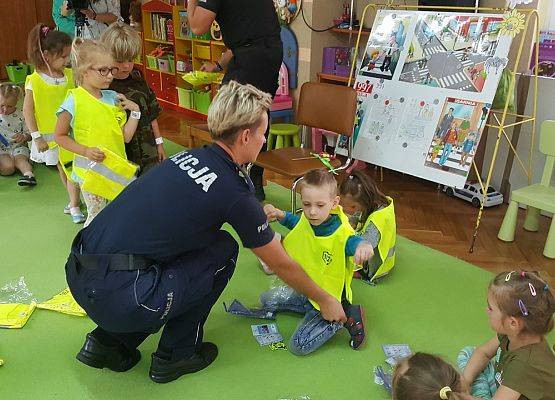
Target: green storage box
[(201, 101), (17, 72), (152, 62), (185, 97)]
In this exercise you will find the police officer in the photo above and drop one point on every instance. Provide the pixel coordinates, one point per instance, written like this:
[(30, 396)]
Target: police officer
[(251, 32), (157, 257)]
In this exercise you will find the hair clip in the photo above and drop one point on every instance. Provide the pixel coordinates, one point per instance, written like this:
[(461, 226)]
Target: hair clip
[(532, 289), (351, 177), (44, 31), (508, 277), (523, 274), (444, 392), (546, 287), (523, 308)]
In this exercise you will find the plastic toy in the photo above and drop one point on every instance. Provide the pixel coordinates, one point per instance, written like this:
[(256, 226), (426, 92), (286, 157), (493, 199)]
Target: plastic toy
[(473, 193)]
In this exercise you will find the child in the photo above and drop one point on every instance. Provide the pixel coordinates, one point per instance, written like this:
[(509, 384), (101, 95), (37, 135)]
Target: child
[(14, 153), (374, 220), (94, 116), (517, 362), (146, 148), (468, 145), (323, 243), (427, 377), (45, 89), (450, 140)]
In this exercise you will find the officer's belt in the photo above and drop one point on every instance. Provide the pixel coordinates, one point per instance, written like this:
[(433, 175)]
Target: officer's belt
[(116, 262), (266, 41)]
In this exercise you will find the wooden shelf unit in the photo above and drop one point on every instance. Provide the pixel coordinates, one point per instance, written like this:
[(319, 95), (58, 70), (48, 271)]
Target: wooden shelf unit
[(365, 32), (195, 51)]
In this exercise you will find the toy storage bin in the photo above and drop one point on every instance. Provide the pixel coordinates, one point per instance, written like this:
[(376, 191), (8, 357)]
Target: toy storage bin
[(185, 97), (201, 101), (171, 60), (17, 72), (202, 51), (164, 64), (152, 62)]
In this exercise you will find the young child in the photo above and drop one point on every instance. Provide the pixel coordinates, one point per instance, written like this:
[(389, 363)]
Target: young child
[(467, 146), (373, 217), (14, 153), (323, 243), (517, 362), (146, 149), (94, 116), (45, 89), (424, 376)]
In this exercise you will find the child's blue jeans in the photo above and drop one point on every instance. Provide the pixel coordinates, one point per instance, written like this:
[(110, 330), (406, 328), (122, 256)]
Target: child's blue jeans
[(313, 331), (484, 385)]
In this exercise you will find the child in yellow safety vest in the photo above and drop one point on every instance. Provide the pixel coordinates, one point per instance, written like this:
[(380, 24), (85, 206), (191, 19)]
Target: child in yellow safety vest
[(324, 244), (96, 119), (373, 217), (45, 90)]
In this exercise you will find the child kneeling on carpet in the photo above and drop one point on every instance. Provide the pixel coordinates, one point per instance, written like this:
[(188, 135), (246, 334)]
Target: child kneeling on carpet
[(518, 362), (424, 376), (373, 217), (324, 244), (95, 117), (14, 153)]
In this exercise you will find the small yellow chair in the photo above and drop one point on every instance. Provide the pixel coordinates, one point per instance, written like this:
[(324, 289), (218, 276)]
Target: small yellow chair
[(536, 197), (283, 135)]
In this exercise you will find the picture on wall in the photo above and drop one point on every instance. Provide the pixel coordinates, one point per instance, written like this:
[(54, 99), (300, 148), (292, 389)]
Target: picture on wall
[(451, 51), (385, 44)]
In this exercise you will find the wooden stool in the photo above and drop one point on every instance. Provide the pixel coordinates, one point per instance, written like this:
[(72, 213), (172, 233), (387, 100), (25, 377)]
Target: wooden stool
[(283, 135)]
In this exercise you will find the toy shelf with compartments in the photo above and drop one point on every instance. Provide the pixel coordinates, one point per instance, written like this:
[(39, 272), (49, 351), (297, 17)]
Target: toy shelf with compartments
[(169, 51)]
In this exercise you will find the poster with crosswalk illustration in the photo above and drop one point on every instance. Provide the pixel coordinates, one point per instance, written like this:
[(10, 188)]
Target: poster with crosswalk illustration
[(426, 115)]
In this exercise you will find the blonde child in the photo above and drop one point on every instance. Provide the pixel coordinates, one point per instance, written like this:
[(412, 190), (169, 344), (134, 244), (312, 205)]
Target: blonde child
[(146, 148), (14, 153), (45, 89), (323, 243), (424, 376), (95, 116), (517, 362), (373, 217)]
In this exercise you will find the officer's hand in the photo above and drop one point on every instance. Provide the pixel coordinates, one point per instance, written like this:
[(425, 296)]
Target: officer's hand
[(94, 154), (42, 146), (273, 213), (209, 67), (332, 310), (127, 104), (363, 253)]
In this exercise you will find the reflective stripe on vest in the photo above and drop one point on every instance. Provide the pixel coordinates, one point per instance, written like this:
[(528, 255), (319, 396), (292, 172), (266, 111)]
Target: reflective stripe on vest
[(102, 169), (49, 137)]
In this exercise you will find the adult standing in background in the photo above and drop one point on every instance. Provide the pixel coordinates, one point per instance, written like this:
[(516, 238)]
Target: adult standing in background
[(65, 21), (251, 32), (100, 14)]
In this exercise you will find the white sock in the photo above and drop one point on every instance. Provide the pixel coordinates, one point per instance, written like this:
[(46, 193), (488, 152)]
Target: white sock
[(75, 211), (29, 174)]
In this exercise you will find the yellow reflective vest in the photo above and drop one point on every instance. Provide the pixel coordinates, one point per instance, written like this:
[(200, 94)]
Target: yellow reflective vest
[(323, 257), (384, 220)]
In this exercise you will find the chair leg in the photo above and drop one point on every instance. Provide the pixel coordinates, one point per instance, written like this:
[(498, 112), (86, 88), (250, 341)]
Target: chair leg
[(270, 145), (296, 140), (549, 249), (279, 142), (532, 221), (294, 195), (508, 227)]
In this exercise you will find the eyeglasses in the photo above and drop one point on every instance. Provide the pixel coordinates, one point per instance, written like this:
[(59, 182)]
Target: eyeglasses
[(105, 70)]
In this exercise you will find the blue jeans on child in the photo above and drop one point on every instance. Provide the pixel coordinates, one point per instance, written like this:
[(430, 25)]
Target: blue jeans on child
[(313, 331), (484, 386)]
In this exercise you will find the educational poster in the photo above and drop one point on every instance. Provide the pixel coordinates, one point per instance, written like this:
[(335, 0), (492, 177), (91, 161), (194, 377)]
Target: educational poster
[(385, 44), (425, 117)]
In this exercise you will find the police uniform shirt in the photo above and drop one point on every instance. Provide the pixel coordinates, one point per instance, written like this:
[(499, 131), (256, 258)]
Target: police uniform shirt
[(244, 21), (178, 207)]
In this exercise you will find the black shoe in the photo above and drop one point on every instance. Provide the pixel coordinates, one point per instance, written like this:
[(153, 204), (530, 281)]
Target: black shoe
[(27, 181), (163, 371), (97, 355)]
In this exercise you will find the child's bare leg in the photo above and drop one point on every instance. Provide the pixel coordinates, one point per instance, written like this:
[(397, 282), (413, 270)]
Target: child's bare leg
[(72, 189), (7, 165), (23, 165)]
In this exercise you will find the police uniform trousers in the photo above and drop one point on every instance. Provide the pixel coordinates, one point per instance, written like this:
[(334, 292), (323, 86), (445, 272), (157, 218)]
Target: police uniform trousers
[(129, 304)]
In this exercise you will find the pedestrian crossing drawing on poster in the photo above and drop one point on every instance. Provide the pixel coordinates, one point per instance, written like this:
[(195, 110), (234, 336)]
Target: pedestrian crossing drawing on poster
[(424, 113)]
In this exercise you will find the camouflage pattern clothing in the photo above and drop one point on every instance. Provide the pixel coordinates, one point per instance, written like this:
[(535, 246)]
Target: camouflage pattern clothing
[(141, 149)]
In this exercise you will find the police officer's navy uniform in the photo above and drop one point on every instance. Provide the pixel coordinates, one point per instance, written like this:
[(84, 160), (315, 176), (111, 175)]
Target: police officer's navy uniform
[(251, 30), (156, 256)]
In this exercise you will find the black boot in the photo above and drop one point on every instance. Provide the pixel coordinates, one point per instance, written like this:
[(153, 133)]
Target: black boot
[(115, 357), (163, 371)]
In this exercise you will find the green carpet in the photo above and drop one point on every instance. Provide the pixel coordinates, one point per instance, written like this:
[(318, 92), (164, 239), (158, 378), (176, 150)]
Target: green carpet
[(434, 302)]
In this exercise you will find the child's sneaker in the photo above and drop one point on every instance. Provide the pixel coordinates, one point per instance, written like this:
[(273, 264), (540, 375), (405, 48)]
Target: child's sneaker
[(27, 181), (355, 325), (67, 209), (76, 215)]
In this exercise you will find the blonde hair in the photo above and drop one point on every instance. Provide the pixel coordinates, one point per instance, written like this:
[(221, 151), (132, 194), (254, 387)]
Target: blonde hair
[(82, 56), (9, 90), (123, 41), (234, 108)]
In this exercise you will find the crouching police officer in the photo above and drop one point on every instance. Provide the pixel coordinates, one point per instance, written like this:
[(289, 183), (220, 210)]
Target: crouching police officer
[(157, 257)]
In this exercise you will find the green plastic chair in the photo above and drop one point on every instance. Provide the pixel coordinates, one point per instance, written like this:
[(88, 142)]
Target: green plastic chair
[(536, 197), (283, 135)]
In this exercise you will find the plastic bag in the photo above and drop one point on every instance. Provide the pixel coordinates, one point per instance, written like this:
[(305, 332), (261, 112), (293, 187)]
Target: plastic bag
[(507, 77), (383, 378), (199, 78), (15, 309), (16, 291)]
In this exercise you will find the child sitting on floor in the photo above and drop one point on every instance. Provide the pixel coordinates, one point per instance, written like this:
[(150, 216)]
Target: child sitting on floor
[(517, 362), (373, 217), (324, 244)]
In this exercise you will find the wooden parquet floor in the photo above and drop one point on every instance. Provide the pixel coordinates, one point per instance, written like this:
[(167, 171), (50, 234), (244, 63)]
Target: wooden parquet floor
[(433, 219)]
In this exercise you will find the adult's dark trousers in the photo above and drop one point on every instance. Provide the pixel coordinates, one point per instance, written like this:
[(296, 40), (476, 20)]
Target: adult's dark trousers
[(257, 64), (128, 306)]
